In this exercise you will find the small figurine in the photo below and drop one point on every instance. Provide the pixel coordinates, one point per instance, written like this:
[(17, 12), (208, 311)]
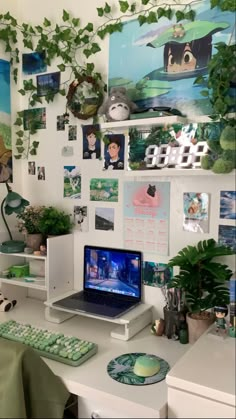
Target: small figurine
[(220, 323), (43, 250), (158, 327)]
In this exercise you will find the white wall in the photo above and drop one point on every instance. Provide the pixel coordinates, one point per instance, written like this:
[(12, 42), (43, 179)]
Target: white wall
[(50, 191)]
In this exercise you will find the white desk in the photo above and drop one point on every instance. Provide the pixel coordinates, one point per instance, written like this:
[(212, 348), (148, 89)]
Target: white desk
[(96, 390), (202, 382)]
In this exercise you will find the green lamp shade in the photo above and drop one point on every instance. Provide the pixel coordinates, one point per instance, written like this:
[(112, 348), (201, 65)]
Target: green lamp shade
[(14, 203)]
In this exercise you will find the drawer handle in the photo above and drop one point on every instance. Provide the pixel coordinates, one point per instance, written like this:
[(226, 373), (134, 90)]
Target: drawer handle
[(94, 415)]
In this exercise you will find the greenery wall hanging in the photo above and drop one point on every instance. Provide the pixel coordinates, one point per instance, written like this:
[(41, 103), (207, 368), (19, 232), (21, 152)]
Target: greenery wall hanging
[(74, 45)]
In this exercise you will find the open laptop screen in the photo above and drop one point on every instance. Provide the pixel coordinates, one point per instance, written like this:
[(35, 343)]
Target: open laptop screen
[(115, 271)]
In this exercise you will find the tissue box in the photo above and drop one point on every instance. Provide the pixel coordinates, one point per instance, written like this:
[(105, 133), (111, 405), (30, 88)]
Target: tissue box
[(19, 270)]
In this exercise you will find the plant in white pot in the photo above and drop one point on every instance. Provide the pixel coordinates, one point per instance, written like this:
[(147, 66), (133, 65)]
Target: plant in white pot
[(202, 282)]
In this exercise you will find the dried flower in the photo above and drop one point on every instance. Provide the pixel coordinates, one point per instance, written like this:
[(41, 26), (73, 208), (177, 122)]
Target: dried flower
[(29, 219)]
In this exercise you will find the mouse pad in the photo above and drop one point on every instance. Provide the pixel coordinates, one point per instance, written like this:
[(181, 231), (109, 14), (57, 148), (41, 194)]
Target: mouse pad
[(121, 369)]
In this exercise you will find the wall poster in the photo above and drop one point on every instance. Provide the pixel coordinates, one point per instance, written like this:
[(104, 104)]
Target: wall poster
[(146, 216), (5, 123), (168, 57)]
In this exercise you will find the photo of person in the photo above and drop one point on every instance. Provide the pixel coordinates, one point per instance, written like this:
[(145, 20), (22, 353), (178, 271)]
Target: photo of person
[(31, 168), (114, 152), (41, 173), (81, 218), (72, 133), (91, 142)]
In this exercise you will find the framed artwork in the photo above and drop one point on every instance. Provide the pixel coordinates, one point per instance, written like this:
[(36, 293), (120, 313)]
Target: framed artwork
[(114, 152), (91, 142), (35, 118), (168, 57), (34, 63), (48, 83), (5, 123), (72, 182)]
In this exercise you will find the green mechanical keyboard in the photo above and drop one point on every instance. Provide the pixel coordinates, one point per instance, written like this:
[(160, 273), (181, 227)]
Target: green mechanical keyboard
[(67, 349)]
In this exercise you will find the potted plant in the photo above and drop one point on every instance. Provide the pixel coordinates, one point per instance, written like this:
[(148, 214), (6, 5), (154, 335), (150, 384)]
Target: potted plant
[(54, 222), (202, 282), (29, 224)]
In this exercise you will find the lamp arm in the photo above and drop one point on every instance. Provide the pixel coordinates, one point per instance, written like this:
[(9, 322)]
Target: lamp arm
[(4, 219)]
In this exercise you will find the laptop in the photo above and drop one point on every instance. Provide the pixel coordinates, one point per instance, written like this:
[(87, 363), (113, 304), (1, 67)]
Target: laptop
[(111, 282)]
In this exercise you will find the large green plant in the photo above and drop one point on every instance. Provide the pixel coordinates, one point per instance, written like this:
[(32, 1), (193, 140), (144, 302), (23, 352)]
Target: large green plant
[(202, 281), (54, 222)]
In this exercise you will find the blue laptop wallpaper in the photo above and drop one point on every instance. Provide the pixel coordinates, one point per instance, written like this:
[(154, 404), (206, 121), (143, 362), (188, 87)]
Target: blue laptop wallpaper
[(113, 271)]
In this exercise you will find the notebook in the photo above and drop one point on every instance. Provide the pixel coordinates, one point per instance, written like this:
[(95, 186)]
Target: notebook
[(111, 282)]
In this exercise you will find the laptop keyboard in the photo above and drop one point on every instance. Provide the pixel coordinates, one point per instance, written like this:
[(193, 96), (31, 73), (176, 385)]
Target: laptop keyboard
[(105, 300)]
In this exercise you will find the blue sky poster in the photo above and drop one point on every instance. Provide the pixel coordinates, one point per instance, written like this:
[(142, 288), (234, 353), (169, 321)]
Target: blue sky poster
[(158, 63), (5, 122)]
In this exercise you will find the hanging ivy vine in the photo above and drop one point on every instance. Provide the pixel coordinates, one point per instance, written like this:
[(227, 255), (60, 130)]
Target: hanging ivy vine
[(74, 45)]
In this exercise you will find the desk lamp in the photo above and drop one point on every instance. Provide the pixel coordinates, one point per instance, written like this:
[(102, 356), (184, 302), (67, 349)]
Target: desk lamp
[(13, 203)]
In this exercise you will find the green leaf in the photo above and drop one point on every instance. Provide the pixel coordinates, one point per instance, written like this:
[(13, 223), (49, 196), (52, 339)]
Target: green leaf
[(124, 5), (145, 2), (199, 80), (107, 8), (46, 22), (20, 133), (169, 13), (75, 22), (18, 122), (85, 39), (205, 93), (142, 20), (95, 48), (100, 11), (190, 15), (214, 3), (17, 156), (19, 141), (90, 67), (61, 67), (152, 17), (22, 92), (133, 7), (33, 152), (35, 144), (160, 12), (20, 149), (62, 92), (39, 29), (179, 15), (65, 16), (89, 27)]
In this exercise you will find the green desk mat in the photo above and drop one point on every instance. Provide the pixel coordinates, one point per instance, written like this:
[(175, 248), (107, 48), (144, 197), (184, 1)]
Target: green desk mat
[(121, 370)]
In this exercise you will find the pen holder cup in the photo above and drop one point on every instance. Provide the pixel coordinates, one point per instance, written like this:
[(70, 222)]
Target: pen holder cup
[(172, 322)]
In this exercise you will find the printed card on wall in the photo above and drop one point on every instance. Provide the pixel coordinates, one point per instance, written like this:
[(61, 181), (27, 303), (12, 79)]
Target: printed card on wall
[(104, 190), (104, 218), (196, 208), (72, 182), (156, 274), (81, 218), (228, 205), (146, 216), (227, 236)]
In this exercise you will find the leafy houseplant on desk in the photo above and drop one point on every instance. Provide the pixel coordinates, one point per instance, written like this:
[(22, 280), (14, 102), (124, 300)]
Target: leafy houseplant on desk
[(54, 222), (203, 283)]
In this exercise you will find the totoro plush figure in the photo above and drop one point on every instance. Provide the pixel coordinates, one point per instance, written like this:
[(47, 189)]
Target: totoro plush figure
[(118, 106)]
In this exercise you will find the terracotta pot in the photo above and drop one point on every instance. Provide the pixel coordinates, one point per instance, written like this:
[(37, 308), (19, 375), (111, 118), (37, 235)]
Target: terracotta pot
[(197, 326), (34, 240)]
